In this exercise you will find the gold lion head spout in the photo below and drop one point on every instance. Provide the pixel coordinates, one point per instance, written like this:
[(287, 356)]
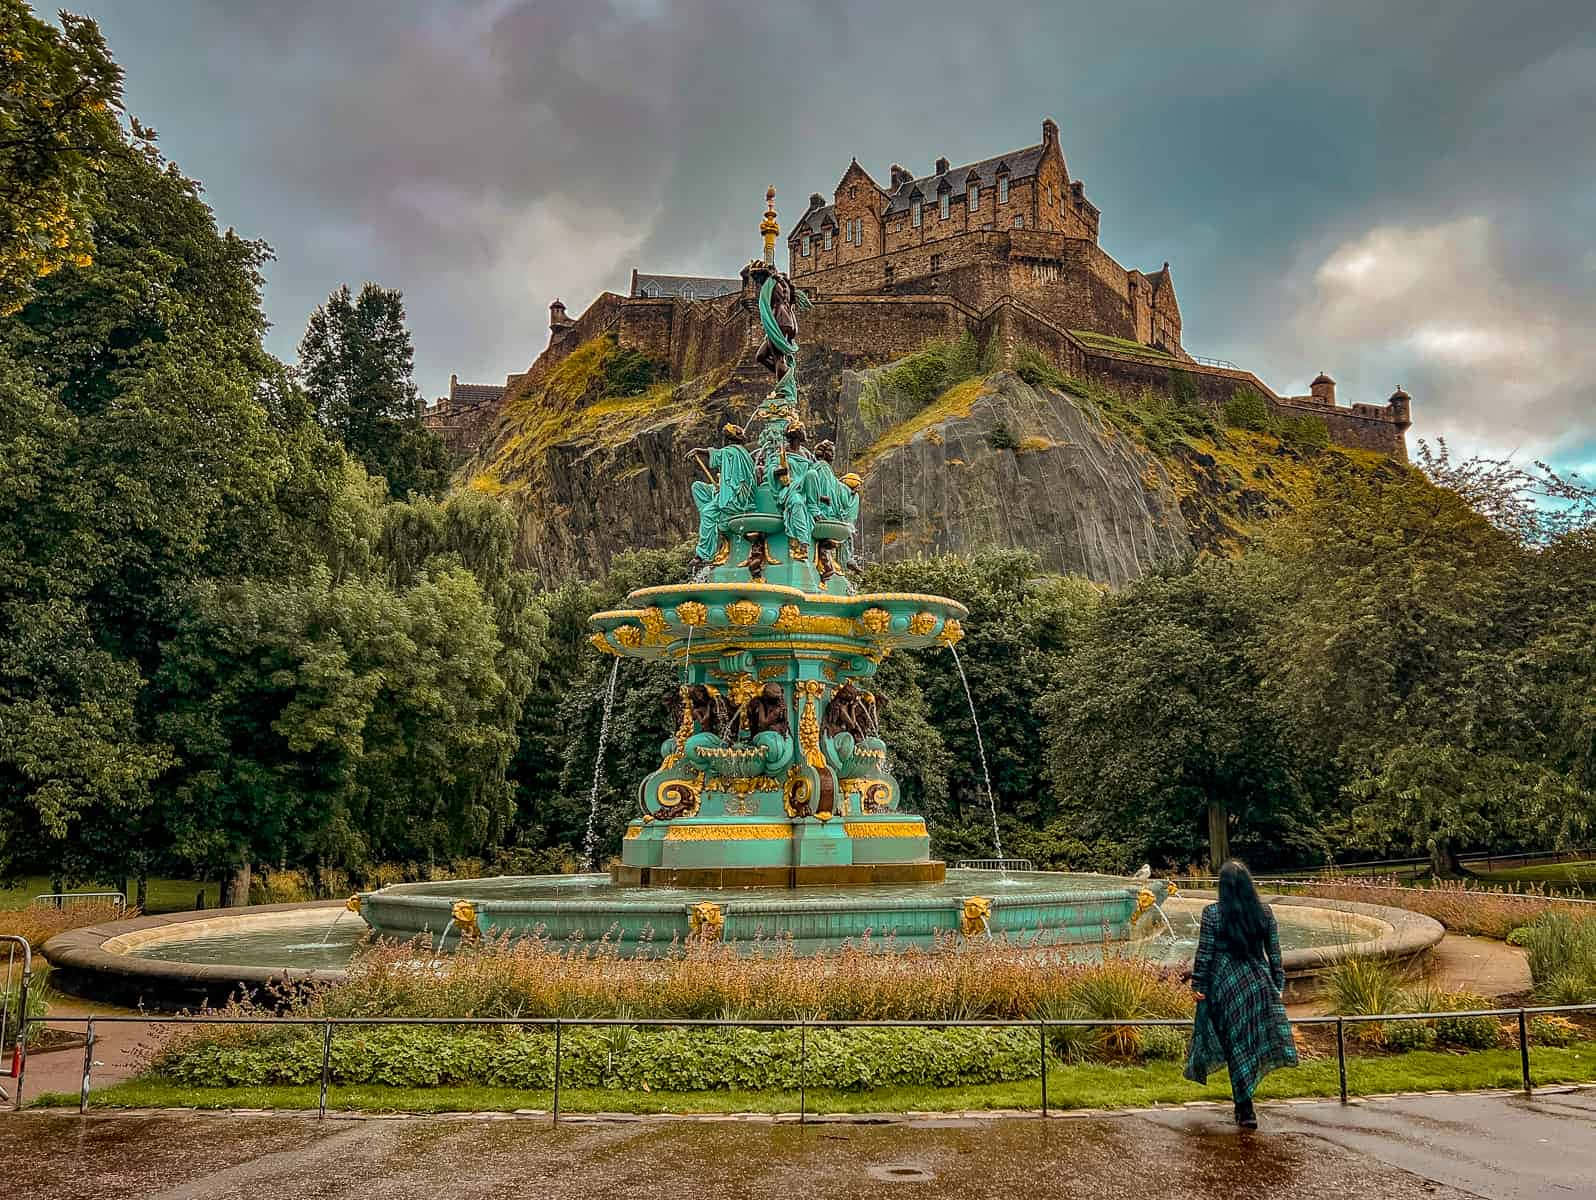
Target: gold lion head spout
[(977, 916), (706, 921)]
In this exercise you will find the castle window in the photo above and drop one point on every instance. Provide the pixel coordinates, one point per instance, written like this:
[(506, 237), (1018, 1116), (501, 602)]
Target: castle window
[(936, 262), (1003, 189), (1019, 221), (806, 245), (914, 214), (975, 196), (944, 213), (887, 274), (826, 244)]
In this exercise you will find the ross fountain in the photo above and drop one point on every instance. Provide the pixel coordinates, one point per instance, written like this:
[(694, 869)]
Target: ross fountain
[(775, 781)]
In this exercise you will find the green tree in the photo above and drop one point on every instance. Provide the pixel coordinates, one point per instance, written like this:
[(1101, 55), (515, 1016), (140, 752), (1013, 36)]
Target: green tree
[(357, 362), (59, 95), (1157, 736), (1398, 603)]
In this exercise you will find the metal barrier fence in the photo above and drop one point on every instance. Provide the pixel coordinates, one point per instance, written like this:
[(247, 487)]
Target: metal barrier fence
[(559, 1024), (996, 864), (66, 899), (18, 1065)]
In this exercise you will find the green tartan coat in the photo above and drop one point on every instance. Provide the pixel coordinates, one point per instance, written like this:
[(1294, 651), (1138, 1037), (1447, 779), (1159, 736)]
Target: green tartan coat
[(1241, 1023)]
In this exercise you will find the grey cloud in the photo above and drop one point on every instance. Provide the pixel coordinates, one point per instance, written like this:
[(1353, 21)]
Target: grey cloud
[(486, 156)]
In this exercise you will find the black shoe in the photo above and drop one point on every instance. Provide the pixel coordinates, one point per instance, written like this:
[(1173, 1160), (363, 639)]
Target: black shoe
[(1245, 1116)]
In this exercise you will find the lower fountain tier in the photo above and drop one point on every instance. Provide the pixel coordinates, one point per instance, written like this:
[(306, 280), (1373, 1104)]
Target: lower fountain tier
[(766, 851)]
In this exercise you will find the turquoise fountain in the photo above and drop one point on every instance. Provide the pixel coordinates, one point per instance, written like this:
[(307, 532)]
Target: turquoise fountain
[(774, 812)]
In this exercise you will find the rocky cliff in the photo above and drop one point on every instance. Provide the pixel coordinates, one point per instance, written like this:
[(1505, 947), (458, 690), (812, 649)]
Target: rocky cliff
[(596, 458)]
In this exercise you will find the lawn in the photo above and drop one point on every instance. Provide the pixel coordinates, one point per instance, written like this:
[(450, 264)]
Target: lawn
[(1078, 1086), (165, 895)]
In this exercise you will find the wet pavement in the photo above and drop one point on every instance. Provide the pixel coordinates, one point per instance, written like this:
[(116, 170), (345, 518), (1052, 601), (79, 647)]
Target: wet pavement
[(1496, 1147)]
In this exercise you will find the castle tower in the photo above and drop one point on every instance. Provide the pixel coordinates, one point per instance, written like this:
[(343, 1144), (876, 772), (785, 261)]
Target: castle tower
[(1323, 390), (1401, 405), (558, 321)]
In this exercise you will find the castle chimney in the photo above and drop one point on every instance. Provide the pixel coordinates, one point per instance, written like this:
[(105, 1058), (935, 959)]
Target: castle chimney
[(942, 166), (816, 200), (1049, 131), (900, 176), (1323, 390)]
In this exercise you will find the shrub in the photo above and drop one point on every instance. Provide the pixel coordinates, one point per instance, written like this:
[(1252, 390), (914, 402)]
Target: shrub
[(896, 393), (1119, 989), (1468, 1033), (642, 1059), (1561, 947), (1164, 1043), (11, 1002), (1306, 434), (1553, 1031), (1001, 437), (1246, 409), (1361, 985), (1410, 1035)]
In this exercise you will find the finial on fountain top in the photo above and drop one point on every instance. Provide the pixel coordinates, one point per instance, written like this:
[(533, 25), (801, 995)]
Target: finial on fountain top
[(768, 227)]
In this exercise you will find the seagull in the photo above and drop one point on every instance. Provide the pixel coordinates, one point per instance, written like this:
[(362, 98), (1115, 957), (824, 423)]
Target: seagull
[(1145, 871)]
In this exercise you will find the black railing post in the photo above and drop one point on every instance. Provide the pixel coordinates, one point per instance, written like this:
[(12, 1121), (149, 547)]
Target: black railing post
[(88, 1067), (1341, 1054), (1041, 1032), (803, 1072), (557, 1051), (326, 1065), (1523, 1050)]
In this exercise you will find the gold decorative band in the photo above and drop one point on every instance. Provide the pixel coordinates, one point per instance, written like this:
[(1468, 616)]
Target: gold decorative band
[(880, 829), (728, 833)]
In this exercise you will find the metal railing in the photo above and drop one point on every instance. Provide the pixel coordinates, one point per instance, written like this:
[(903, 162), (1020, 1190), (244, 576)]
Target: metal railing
[(1285, 885), (559, 1024), (66, 899), (17, 1068), (996, 864), (1215, 362)]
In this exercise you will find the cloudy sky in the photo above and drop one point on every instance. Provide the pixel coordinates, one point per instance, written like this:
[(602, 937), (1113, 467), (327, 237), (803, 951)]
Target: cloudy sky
[(1395, 192)]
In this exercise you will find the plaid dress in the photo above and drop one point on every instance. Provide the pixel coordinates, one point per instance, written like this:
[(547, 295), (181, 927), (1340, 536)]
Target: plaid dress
[(1241, 1023)]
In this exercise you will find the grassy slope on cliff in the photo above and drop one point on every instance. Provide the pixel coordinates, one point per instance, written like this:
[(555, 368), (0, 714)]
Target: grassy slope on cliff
[(1230, 473), (600, 395)]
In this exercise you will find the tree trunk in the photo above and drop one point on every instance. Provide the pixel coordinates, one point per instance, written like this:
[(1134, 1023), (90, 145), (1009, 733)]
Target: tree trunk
[(1218, 835), (235, 887), (1444, 862), (144, 889)]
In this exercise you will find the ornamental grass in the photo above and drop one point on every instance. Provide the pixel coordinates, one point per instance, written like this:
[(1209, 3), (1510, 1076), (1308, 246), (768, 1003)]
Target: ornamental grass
[(864, 980), (38, 923), (1461, 906)]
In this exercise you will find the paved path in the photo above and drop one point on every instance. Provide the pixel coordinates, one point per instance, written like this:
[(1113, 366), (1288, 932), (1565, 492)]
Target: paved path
[(1441, 1148), (118, 1050)]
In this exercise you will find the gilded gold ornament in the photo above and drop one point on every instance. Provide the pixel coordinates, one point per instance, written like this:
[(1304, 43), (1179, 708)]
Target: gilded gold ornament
[(630, 636), (875, 621), (602, 644), (705, 921), (743, 612), (654, 626), (922, 623), (952, 632), (691, 612), (976, 917)]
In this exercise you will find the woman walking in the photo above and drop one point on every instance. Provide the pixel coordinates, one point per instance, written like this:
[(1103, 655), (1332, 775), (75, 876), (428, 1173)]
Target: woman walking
[(1238, 979)]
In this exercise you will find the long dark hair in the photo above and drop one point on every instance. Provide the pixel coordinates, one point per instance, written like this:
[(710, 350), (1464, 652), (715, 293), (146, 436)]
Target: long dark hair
[(1243, 919)]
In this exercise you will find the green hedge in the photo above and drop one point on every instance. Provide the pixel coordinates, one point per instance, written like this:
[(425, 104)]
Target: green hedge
[(683, 1060)]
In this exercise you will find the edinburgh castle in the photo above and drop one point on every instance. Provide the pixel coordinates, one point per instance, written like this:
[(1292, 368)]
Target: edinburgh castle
[(1005, 248)]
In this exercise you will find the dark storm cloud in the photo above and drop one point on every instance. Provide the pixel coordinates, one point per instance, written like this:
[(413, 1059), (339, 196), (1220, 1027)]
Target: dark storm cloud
[(1394, 193)]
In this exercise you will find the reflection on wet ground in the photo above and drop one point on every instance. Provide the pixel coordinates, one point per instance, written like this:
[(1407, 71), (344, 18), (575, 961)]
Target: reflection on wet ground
[(1450, 1147)]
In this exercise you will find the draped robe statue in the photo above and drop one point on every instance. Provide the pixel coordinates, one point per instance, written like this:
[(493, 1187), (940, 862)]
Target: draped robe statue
[(731, 493)]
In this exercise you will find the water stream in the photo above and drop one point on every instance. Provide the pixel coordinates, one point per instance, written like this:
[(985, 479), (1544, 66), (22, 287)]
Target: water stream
[(330, 928), (991, 800), (590, 840)]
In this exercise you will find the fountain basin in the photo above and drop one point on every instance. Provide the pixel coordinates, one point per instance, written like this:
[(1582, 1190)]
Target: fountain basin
[(185, 960), (1055, 907)]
